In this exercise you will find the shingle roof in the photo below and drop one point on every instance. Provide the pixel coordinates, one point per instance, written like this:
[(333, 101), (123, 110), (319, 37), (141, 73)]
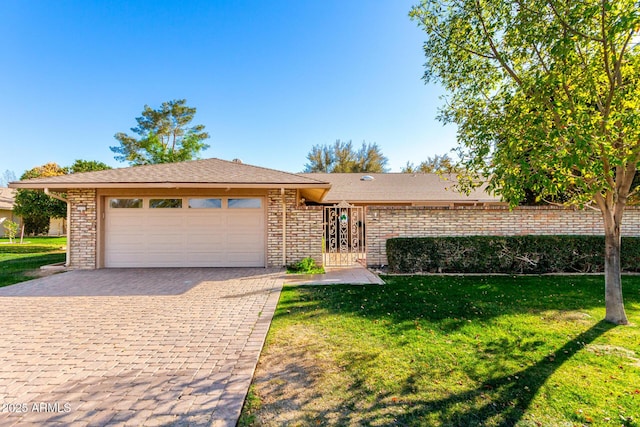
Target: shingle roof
[(7, 198), (198, 173), (397, 188)]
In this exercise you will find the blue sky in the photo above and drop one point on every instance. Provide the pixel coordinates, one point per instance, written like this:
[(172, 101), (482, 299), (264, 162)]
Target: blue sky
[(269, 79)]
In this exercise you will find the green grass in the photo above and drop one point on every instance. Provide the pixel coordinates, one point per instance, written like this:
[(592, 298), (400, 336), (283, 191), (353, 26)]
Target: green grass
[(16, 259), (461, 351)]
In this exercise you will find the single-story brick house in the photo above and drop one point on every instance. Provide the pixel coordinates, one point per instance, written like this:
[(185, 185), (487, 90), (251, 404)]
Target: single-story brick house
[(217, 213)]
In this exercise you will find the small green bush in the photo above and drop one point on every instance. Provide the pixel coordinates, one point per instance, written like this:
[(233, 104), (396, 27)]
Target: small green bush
[(511, 255), (305, 266)]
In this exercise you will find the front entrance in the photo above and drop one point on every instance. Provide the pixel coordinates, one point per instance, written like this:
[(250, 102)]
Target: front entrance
[(344, 226)]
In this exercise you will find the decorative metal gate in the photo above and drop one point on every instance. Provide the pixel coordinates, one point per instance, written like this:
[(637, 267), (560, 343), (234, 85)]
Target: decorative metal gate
[(344, 235)]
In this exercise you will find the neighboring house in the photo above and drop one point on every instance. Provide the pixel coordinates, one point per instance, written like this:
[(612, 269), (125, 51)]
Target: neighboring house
[(7, 197), (57, 226), (216, 213)]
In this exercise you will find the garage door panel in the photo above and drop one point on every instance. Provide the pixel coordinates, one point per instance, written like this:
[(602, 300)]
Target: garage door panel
[(157, 241), (182, 237), (206, 222)]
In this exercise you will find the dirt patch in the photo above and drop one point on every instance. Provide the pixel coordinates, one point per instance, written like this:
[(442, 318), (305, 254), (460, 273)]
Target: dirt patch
[(621, 352), (567, 316), (298, 384)]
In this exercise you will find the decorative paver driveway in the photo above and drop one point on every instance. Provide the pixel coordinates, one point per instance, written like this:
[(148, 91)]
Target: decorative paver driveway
[(138, 347)]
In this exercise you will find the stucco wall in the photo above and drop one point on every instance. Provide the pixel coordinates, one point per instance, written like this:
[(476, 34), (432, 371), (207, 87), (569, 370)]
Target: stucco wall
[(83, 234), (419, 221), (303, 230)]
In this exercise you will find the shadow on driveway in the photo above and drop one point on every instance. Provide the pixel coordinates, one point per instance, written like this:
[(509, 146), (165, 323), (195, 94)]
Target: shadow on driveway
[(128, 281)]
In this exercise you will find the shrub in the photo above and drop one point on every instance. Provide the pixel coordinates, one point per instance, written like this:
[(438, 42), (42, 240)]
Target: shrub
[(306, 266), (11, 229), (512, 254)]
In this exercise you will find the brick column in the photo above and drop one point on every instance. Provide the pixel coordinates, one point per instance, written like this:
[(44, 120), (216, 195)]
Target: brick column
[(82, 228)]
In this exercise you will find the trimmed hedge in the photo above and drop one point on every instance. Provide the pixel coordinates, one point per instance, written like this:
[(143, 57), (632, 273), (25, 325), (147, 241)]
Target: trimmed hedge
[(511, 255)]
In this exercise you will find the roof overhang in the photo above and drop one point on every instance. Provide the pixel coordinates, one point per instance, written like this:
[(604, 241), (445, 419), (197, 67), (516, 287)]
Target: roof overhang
[(313, 191), (67, 186)]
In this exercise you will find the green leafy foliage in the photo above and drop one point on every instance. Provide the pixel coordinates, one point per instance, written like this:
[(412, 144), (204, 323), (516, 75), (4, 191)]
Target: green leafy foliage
[(164, 136), (35, 207), (87, 166), (305, 266), (511, 255), (545, 96), (341, 157), (11, 229)]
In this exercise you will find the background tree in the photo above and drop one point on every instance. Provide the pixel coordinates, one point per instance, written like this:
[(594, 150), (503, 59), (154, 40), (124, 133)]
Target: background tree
[(545, 95), (341, 157), (164, 136), (10, 228), (35, 207), (436, 164), (7, 177), (87, 166)]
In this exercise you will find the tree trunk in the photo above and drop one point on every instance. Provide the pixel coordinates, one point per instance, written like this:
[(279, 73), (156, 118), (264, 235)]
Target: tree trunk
[(613, 280)]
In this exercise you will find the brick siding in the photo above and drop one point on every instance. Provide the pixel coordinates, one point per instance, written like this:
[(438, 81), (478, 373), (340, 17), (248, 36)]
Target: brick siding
[(84, 220), (303, 234), (383, 223)]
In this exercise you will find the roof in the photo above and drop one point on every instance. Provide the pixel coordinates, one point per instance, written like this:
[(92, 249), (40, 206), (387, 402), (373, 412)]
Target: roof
[(409, 188), (7, 198), (206, 173)]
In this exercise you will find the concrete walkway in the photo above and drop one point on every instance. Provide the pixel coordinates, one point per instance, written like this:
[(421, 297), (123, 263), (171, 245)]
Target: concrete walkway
[(354, 275), (134, 347)]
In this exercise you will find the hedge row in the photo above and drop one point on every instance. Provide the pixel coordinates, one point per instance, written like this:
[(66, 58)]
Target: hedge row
[(514, 254)]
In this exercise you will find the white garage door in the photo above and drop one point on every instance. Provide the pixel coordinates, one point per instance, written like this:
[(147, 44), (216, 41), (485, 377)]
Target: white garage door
[(184, 232)]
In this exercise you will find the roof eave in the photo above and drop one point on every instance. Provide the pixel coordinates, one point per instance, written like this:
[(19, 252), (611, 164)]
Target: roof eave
[(67, 186)]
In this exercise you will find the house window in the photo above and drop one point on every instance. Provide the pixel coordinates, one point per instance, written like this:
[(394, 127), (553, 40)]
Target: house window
[(205, 203), (245, 203), (125, 203), (165, 203)]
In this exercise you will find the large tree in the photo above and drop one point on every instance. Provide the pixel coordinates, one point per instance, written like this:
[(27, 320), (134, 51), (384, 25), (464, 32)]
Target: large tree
[(342, 157), (545, 96), (164, 136), (35, 207)]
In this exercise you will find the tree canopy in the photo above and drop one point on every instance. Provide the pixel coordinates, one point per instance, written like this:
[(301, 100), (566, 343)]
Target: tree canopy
[(435, 164), (342, 157), (87, 166), (545, 96), (164, 136), (35, 207)]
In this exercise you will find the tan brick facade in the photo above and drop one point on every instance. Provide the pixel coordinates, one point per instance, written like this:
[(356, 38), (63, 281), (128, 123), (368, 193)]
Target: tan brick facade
[(304, 230), (83, 229), (419, 221)]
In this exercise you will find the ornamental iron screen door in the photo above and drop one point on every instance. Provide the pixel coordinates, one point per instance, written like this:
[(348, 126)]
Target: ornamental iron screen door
[(344, 235)]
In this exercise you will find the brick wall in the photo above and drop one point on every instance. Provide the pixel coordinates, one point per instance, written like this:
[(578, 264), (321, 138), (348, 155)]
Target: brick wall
[(383, 223), (83, 211), (303, 234)]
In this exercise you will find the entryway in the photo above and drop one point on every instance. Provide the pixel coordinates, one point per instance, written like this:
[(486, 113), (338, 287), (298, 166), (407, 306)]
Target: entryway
[(344, 240)]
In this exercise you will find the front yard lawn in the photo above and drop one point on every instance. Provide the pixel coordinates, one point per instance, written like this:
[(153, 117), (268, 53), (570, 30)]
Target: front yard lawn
[(18, 260), (450, 351)]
